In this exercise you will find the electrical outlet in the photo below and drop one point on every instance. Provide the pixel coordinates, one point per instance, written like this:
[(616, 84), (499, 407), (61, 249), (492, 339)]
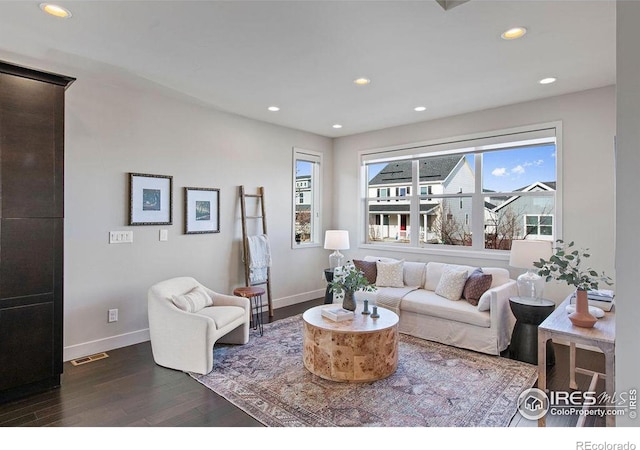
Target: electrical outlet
[(113, 315)]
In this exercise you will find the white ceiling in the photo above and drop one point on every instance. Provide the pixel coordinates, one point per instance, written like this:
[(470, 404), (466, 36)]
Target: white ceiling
[(243, 56)]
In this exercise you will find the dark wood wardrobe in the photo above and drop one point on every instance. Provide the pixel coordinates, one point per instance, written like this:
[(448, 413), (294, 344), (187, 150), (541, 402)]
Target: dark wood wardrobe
[(31, 229)]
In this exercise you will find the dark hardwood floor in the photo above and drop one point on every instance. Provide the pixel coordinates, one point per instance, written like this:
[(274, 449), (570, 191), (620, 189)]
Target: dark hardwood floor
[(128, 389)]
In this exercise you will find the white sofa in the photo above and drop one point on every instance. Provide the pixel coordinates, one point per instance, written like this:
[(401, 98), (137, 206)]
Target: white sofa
[(484, 328), (182, 338)]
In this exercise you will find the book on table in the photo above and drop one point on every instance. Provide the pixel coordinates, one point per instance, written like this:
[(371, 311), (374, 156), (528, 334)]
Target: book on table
[(603, 299), (337, 314)]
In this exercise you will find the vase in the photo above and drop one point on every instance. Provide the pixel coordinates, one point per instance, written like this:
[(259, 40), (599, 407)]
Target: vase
[(582, 318), (349, 302)]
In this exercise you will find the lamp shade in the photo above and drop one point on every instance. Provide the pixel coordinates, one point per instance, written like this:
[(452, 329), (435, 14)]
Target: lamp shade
[(336, 240), (525, 252)]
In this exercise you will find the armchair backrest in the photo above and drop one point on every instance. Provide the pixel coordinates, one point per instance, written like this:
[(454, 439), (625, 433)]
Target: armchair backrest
[(165, 290)]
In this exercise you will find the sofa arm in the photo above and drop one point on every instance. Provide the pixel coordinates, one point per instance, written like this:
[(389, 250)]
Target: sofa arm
[(502, 319)]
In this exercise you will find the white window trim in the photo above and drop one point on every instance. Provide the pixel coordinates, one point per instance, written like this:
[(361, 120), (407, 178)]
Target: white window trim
[(300, 154), (492, 139)]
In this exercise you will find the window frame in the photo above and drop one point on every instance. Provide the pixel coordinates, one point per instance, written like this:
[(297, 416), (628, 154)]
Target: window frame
[(314, 157), (475, 144)]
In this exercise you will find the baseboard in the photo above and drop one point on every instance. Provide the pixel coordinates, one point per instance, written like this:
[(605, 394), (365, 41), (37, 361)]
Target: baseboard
[(298, 298), (104, 345), (136, 337)]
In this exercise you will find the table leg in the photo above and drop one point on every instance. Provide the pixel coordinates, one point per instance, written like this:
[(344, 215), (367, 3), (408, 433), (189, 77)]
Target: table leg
[(610, 378), (572, 366), (542, 368)]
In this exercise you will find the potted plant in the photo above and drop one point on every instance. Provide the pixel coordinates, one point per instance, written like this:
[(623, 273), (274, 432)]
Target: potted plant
[(349, 280), (567, 264)]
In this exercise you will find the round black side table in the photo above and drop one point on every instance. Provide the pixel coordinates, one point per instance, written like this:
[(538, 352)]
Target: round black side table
[(529, 313), (328, 295)]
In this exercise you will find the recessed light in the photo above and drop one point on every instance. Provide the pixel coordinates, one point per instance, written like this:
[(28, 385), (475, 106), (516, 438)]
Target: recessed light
[(337, 125), (419, 108), (362, 81), (514, 33), (547, 80), (55, 10), (273, 108)]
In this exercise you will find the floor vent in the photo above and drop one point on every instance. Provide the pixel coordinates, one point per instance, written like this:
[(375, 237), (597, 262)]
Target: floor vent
[(88, 359)]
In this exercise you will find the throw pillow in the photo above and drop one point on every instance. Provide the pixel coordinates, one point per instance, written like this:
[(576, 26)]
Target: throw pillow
[(390, 274), (369, 268), (193, 301), (477, 284), (451, 282)]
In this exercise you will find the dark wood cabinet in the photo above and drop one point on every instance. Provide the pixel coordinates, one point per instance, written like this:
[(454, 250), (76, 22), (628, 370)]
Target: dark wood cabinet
[(31, 229)]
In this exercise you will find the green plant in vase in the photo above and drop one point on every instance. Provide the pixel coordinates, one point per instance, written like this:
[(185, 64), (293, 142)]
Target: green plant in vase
[(348, 281), (568, 264)]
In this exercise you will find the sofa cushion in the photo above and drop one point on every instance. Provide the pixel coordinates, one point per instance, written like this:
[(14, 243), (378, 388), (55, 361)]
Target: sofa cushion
[(429, 303), (434, 272), (192, 301), (414, 273), (223, 315), (368, 268), (390, 274), (477, 284), (500, 275), (452, 282)]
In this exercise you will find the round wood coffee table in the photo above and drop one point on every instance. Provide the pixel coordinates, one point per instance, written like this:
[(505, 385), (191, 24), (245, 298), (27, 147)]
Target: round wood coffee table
[(360, 349)]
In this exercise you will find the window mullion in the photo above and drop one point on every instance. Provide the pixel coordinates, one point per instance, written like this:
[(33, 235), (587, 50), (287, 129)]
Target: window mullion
[(414, 215), (477, 207)]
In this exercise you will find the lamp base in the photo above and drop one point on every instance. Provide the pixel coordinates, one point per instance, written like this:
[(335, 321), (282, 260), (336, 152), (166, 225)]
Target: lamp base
[(530, 285), (336, 259)]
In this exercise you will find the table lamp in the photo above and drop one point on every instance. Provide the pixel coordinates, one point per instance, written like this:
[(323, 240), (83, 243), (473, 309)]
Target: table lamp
[(523, 254), (336, 240)]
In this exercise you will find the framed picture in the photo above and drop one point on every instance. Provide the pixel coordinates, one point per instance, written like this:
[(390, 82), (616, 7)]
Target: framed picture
[(201, 210), (151, 199)]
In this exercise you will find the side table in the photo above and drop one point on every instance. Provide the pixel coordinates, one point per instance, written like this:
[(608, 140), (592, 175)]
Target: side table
[(328, 295), (602, 336), (254, 294), (529, 313)]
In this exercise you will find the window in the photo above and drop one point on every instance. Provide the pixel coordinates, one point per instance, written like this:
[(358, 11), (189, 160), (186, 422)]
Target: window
[(539, 226), (306, 197), (480, 193)]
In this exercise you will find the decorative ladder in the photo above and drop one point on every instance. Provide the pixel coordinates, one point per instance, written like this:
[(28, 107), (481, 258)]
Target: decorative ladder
[(245, 245)]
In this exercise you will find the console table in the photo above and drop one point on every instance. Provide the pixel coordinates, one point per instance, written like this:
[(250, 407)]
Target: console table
[(602, 336)]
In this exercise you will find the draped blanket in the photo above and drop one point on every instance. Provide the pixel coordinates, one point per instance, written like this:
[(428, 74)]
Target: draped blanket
[(259, 258), (390, 297)]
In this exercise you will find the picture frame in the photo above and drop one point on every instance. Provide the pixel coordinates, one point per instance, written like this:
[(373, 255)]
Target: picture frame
[(201, 210), (150, 199)]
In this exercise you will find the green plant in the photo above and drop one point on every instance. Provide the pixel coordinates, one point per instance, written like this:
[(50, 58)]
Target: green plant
[(566, 264), (351, 279)]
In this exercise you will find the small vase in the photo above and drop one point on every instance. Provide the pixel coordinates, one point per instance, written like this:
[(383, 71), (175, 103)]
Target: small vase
[(349, 303), (582, 318)]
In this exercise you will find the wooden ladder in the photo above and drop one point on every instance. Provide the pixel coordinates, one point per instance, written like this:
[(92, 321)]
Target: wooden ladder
[(245, 245)]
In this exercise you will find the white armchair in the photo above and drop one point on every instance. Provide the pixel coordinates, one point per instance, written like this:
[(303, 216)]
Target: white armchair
[(183, 339)]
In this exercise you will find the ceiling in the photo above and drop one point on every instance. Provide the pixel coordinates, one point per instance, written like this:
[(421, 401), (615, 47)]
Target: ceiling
[(243, 56)]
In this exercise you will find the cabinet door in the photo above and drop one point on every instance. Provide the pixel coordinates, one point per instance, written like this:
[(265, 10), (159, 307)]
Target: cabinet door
[(26, 344), (31, 142)]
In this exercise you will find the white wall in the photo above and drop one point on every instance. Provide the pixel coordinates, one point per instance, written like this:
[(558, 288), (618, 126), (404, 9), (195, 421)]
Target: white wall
[(588, 123), (115, 124), (627, 211)]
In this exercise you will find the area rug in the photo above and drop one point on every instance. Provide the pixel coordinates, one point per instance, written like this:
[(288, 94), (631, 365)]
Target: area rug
[(435, 385)]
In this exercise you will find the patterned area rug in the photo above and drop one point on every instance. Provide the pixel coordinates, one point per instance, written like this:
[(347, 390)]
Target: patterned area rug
[(435, 385)]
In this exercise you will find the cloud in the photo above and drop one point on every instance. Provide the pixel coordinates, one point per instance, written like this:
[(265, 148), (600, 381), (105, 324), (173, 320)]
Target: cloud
[(539, 162), (499, 172), (553, 155), (518, 169)]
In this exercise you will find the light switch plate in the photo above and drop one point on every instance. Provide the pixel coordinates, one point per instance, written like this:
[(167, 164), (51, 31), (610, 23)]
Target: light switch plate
[(120, 237), (164, 235)]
